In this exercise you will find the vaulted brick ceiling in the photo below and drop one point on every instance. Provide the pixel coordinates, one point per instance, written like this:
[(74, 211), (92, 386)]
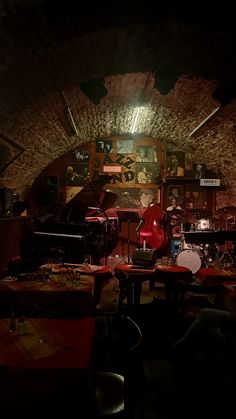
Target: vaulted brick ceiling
[(180, 68)]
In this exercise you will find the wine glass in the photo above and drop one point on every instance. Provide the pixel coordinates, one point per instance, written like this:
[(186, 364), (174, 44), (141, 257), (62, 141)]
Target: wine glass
[(87, 261)]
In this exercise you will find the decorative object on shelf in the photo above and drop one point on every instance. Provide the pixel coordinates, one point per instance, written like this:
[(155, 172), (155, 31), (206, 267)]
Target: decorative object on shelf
[(175, 163), (199, 170)]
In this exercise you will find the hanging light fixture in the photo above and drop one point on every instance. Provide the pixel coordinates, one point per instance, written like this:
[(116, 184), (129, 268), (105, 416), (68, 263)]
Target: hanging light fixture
[(135, 119)]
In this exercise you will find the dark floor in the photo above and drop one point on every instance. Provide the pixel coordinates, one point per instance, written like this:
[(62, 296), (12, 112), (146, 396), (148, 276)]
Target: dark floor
[(158, 386)]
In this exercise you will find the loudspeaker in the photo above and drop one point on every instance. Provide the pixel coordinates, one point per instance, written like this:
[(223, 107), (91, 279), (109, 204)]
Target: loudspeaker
[(48, 191), (94, 90), (144, 257)]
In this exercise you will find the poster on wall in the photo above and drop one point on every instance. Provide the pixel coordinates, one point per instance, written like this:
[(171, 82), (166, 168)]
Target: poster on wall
[(104, 146), (175, 163), (135, 197), (80, 155), (124, 146), (76, 174), (147, 172), (175, 197), (199, 171), (146, 153)]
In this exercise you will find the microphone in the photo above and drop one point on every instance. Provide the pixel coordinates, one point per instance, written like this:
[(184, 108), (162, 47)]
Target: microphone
[(141, 222), (95, 209)]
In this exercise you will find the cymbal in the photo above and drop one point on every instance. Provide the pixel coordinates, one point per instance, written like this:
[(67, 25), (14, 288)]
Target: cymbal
[(176, 211), (228, 210), (190, 218)]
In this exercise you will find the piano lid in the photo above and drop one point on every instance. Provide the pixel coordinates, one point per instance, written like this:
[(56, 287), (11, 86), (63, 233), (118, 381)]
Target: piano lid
[(92, 195)]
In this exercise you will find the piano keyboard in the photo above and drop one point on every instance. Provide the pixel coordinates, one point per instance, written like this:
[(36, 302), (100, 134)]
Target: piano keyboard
[(76, 236)]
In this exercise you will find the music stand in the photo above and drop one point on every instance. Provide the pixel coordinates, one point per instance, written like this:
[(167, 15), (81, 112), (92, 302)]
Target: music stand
[(129, 217)]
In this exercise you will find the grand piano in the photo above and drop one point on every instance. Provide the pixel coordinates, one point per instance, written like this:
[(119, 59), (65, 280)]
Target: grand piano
[(69, 236)]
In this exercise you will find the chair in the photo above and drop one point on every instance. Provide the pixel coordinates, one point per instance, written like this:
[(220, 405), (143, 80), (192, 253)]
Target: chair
[(105, 307), (196, 295), (110, 385)]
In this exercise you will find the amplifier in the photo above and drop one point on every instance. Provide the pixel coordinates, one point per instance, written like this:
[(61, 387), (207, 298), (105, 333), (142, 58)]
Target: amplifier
[(145, 257)]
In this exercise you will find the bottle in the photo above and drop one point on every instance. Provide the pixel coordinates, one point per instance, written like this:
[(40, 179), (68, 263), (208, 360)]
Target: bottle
[(12, 324)]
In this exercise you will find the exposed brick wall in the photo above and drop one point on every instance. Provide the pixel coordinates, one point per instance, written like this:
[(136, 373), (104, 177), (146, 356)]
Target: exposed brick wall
[(36, 65)]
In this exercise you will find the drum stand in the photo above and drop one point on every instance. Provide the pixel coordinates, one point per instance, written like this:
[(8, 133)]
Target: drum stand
[(205, 255), (226, 259)]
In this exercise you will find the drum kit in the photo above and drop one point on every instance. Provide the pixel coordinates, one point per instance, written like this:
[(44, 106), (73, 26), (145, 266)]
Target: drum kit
[(197, 254)]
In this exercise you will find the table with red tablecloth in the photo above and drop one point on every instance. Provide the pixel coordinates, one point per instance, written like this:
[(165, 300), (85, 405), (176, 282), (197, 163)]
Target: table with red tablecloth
[(168, 274), (48, 363), (31, 297), (213, 276)]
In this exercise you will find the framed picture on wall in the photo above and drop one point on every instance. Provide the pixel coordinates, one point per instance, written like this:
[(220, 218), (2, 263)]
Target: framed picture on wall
[(80, 155), (174, 197), (147, 172), (175, 163), (199, 170), (124, 146), (146, 153), (76, 174), (135, 197), (104, 146), (198, 198)]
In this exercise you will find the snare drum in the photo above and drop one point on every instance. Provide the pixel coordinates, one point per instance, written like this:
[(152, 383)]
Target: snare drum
[(189, 259), (204, 224)]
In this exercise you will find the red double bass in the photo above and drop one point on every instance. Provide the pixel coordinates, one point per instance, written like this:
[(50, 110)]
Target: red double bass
[(153, 233)]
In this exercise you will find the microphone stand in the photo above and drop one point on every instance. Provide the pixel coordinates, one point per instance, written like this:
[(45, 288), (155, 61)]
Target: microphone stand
[(138, 231)]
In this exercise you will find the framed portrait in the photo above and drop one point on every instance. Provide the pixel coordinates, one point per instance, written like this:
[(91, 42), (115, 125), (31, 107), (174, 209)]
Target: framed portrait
[(136, 197), (124, 146), (199, 170), (80, 155), (147, 172), (146, 153), (175, 163), (175, 197), (76, 174), (9, 151), (104, 146)]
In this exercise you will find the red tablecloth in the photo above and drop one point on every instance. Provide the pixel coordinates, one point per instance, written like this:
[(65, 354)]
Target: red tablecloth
[(55, 383), (28, 297), (210, 276)]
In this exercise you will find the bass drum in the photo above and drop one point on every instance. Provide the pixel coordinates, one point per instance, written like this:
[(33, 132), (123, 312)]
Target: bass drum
[(189, 259)]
